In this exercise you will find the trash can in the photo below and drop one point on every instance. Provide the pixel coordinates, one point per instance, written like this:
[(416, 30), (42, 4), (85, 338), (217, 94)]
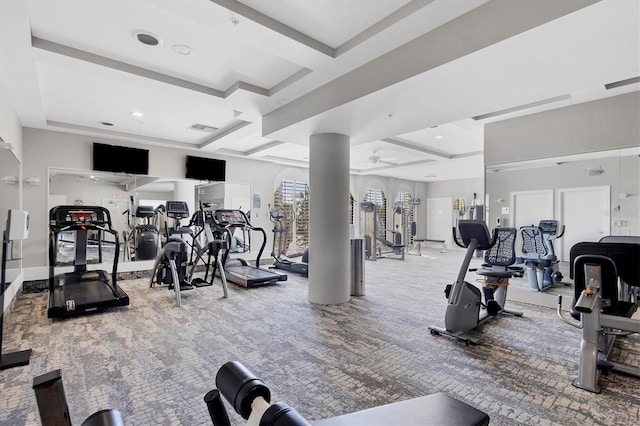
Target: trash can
[(357, 267)]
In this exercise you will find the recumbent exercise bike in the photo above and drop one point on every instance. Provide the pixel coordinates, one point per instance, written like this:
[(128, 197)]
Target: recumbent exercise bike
[(465, 309)]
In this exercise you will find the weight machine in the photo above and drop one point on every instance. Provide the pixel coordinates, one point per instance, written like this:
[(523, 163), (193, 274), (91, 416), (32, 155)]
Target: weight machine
[(600, 278), (375, 234)]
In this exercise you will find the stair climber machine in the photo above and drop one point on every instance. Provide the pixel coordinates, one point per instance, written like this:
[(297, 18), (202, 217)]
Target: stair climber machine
[(465, 308), (145, 235), (280, 234), (539, 256), (81, 291), (238, 270), (141, 240)]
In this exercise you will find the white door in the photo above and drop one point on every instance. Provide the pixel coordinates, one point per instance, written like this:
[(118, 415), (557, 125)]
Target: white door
[(439, 219), (530, 207), (585, 215)]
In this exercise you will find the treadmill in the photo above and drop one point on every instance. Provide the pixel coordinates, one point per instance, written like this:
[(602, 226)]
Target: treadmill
[(81, 291), (238, 271)]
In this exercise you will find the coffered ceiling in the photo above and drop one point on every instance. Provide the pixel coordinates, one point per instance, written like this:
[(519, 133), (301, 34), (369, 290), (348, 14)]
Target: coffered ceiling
[(412, 82)]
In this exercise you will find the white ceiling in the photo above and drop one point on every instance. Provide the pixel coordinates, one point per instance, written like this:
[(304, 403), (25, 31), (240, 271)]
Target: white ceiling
[(402, 78)]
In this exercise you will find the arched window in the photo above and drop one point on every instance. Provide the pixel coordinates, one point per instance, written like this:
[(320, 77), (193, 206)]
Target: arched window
[(292, 198)]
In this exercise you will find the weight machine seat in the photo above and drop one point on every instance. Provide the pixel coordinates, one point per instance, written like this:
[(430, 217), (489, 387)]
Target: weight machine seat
[(437, 409)]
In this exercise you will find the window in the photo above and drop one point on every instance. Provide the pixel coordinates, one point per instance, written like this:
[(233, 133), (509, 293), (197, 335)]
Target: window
[(292, 198), (352, 203)]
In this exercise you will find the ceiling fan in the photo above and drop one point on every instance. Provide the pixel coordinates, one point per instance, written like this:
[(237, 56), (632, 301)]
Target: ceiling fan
[(376, 160)]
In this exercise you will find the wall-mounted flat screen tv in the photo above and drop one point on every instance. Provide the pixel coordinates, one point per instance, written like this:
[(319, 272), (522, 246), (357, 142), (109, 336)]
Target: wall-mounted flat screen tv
[(205, 168), (113, 158)]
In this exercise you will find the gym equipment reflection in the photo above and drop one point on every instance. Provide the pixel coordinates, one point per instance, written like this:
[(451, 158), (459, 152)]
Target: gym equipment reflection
[(375, 234)]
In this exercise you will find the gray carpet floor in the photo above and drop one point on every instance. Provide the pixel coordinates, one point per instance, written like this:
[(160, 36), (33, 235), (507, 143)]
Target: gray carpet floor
[(154, 361)]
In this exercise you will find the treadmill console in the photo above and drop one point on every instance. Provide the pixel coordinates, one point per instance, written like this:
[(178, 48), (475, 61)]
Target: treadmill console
[(230, 218), (177, 209), (61, 216)]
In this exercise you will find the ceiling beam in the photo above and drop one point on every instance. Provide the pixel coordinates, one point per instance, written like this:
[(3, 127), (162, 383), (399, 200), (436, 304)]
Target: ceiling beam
[(407, 145), (486, 25), (262, 148)]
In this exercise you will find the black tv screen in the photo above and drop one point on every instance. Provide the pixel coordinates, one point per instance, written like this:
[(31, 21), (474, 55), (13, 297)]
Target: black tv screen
[(113, 158), (205, 168)]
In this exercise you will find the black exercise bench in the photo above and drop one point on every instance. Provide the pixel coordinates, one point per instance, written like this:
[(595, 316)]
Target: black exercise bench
[(438, 409)]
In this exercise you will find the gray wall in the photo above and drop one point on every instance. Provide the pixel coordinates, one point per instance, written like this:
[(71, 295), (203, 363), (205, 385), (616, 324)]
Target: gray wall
[(621, 174), (605, 124)]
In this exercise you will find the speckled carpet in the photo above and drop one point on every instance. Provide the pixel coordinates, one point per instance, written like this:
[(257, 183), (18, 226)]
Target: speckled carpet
[(154, 361)]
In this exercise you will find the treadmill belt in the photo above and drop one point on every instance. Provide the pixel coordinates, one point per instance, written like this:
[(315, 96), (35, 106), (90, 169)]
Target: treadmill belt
[(251, 273), (86, 292)]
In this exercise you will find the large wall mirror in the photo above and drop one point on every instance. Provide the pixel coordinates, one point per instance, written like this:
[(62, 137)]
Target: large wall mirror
[(124, 196), (591, 194), (226, 195), (10, 199)]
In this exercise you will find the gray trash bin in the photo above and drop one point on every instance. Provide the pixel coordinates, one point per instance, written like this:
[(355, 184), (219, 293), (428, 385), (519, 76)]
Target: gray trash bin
[(357, 267)]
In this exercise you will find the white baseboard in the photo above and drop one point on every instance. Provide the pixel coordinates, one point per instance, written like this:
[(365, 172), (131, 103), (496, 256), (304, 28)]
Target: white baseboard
[(10, 293)]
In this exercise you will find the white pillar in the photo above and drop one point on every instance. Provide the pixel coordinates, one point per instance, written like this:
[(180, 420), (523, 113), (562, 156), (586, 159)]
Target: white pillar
[(330, 263), (185, 190)]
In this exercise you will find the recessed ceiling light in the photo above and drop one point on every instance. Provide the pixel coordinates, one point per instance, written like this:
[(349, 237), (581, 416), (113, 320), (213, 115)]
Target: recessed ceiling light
[(439, 137), (106, 123), (137, 114), (182, 49), (147, 38)]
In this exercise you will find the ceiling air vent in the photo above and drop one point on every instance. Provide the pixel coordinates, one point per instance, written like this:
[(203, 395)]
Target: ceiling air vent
[(203, 128)]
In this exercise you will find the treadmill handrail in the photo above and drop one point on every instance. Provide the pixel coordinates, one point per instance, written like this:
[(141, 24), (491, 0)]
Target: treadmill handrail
[(53, 244)]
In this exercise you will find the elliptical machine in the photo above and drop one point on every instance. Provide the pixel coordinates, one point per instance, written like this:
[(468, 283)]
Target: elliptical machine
[(280, 233), (465, 308), (171, 265)]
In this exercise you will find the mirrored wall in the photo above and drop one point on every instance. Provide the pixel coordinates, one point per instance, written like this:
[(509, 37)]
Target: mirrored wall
[(10, 199), (122, 195), (592, 195)]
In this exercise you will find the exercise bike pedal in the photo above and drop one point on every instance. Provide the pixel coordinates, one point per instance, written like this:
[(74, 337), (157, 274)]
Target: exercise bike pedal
[(493, 308)]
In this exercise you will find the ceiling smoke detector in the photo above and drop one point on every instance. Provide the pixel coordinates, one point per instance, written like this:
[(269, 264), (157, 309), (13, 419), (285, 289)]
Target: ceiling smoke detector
[(203, 128)]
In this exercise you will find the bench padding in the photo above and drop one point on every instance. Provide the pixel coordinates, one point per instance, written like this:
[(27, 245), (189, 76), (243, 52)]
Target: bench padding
[(437, 409)]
